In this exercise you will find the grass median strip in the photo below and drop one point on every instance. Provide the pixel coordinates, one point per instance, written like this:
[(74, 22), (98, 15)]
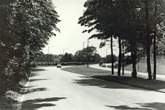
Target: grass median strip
[(86, 71), (106, 75)]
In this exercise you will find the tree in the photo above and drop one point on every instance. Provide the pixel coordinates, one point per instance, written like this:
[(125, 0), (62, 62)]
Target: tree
[(111, 19), (148, 43), (67, 58), (25, 29), (158, 11), (97, 18), (37, 24), (131, 21), (80, 56), (87, 55), (152, 18), (154, 71), (111, 58)]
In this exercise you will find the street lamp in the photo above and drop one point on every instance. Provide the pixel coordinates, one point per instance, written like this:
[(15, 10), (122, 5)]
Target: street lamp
[(87, 53)]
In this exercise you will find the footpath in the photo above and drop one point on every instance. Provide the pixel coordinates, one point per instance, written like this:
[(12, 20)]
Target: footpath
[(141, 80)]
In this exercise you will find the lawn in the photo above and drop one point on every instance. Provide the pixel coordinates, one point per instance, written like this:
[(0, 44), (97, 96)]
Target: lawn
[(86, 71), (155, 85), (142, 66)]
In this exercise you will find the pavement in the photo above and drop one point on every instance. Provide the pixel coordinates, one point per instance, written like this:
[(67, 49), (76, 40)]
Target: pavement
[(142, 82), (48, 88), (51, 88)]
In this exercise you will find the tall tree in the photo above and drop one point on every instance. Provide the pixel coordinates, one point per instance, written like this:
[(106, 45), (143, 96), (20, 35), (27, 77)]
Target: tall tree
[(154, 71), (158, 11), (149, 40), (115, 21), (97, 18), (26, 26), (67, 58), (128, 20), (152, 18), (89, 52)]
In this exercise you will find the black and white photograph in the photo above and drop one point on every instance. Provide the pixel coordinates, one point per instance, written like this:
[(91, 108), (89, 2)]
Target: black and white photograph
[(82, 54)]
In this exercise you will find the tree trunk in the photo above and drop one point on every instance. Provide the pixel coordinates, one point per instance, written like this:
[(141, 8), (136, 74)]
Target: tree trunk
[(154, 74), (123, 60), (149, 64), (134, 72), (148, 41), (119, 62), (112, 67)]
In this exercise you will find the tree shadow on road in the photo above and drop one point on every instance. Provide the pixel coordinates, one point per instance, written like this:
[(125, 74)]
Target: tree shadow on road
[(143, 106), (39, 103), (29, 90), (37, 69), (31, 80), (34, 74)]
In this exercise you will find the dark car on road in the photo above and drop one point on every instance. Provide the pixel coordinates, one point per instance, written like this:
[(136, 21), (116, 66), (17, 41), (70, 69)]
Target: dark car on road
[(59, 65)]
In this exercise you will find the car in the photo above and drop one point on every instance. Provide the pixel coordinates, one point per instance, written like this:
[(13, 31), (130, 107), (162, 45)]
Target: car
[(59, 65), (100, 63), (104, 65)]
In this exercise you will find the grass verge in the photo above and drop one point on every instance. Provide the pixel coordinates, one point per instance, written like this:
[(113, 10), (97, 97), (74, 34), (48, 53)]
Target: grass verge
[(155, 85), (11, 99)]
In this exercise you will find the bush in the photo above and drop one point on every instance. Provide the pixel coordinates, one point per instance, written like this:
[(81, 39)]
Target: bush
[(11, 76), (62, 63), (128, 60), (109, 59)]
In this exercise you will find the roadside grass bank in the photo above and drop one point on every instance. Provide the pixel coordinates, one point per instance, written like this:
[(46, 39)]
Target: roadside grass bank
[(11, 99), (155, 85), (142, 67)]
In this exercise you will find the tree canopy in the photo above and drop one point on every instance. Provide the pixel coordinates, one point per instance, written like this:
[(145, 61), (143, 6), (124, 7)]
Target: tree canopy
[(132, 22), (25, 28), (87, 54)]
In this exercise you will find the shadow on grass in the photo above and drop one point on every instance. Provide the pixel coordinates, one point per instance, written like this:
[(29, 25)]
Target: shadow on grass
[(145, 106), (109, 83), (156, 85), (91, 81), (135, 82), (39, 103)]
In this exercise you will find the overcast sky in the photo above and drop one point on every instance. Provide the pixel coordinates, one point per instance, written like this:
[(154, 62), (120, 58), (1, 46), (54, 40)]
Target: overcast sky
[(71, 38)]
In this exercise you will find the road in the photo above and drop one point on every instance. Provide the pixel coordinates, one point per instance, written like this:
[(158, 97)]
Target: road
[(50, 88)]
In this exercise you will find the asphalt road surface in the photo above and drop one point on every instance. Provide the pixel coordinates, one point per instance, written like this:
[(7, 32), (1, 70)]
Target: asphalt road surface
[(50, 88)]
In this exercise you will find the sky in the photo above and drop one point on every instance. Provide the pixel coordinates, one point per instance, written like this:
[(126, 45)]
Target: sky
[(70, 38)]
